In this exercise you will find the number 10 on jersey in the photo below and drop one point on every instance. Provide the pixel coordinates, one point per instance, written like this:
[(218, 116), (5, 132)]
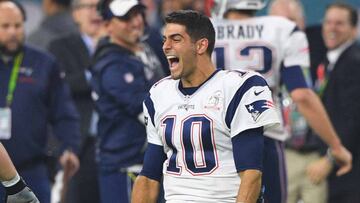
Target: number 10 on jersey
[(195, 141)]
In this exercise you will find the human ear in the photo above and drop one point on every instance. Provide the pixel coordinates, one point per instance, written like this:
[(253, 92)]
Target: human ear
[(202, 45)]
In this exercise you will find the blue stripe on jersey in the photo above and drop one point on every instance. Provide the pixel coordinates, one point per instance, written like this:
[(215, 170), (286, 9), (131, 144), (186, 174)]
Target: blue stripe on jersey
[(153, 162), (249, 83), (150, 107), (296, 28), (248, 149), (274, 176), (293, 77)]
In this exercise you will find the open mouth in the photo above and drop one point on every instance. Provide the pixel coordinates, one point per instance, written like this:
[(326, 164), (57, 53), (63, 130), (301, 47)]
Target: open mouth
[(96, 21), (331, 35), (173, 61)]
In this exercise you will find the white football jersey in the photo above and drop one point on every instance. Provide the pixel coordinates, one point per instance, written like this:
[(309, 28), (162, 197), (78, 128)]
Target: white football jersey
[(263, 44), (195, 132)]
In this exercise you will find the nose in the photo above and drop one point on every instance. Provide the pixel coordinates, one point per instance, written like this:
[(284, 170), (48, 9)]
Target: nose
[(166, 45), (330, 25), (12, 30)]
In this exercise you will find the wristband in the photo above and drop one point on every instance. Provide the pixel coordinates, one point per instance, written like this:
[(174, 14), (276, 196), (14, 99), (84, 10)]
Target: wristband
[(11, 182), (15, 188)]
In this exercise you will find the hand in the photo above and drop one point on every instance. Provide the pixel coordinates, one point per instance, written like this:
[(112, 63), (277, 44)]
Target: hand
[(20, 193), (343, 159), (70, 163), (318, 171)]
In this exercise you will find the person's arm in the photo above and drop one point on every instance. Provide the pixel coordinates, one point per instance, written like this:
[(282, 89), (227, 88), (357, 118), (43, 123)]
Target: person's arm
[(311, 108), (319, 170), (145, 190), (250, 186), (15, 187), (248, 149), (126, 88), (7, 169), (146, 186), (64, 120), (308, 103)]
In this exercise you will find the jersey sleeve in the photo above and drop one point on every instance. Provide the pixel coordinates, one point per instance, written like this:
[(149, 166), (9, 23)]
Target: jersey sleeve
[(251, 107), (149, 114), (296, 49)]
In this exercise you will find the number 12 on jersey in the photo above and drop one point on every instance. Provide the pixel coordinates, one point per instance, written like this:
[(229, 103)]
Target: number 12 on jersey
[(252, 56)]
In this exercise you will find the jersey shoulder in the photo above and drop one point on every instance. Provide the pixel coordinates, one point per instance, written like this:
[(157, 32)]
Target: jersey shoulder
[(237, 77), (165, 84), (277, 22)]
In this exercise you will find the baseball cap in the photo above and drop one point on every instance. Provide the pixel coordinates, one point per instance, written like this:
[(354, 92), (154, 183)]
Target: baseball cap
[(120, 8)]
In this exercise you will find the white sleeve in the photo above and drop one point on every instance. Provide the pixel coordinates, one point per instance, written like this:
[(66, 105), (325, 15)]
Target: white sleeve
[(152, 134), (296, 50), (256, 109)]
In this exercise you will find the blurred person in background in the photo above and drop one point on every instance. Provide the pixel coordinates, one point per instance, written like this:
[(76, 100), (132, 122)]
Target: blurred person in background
[(124, 68), (337, 83), (73, 52), (302, 147), (276, 48), (57, 22), (293, 10), (15, 187), (33, 98)]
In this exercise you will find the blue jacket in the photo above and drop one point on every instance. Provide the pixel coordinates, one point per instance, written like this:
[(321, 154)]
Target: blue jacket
[(41, 99), (120, 83)]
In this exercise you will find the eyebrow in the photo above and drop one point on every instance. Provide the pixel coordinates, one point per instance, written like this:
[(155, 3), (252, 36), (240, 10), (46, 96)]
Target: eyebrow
[(173, 36)]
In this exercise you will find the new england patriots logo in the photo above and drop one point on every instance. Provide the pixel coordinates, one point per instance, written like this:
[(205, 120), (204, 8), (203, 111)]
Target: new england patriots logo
[(257, 107)]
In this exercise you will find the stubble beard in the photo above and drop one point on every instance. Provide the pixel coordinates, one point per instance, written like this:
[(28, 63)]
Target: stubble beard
[(4, 50)]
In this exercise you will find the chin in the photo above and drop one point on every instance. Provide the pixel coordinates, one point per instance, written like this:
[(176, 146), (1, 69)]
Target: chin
[(10, 52), (174, 76)]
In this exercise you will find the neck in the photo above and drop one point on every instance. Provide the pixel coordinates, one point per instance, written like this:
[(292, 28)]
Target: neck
[(204, 69), (94, 38), (238, 15)]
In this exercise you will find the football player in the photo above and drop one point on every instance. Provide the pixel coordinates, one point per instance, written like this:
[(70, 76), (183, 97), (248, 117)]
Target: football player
[(204, 126)]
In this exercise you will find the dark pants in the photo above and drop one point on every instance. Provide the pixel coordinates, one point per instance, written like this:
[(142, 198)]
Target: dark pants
[(345, 198), (37, 179), (84, 186), (274, 172), (116, 187)]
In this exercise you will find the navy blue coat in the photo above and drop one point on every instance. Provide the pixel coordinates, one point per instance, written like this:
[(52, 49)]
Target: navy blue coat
[(41, 99), (341, 101), (120, 83)]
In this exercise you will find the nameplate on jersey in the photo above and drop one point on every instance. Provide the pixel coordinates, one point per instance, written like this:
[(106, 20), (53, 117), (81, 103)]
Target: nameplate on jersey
[(5, 123), (186, 107)]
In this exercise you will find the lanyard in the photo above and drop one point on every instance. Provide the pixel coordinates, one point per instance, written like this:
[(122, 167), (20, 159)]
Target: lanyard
[(13, 78)]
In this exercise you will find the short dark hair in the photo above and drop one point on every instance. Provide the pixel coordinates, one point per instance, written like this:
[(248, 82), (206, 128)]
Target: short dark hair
[(352, 11), (197, 25)]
